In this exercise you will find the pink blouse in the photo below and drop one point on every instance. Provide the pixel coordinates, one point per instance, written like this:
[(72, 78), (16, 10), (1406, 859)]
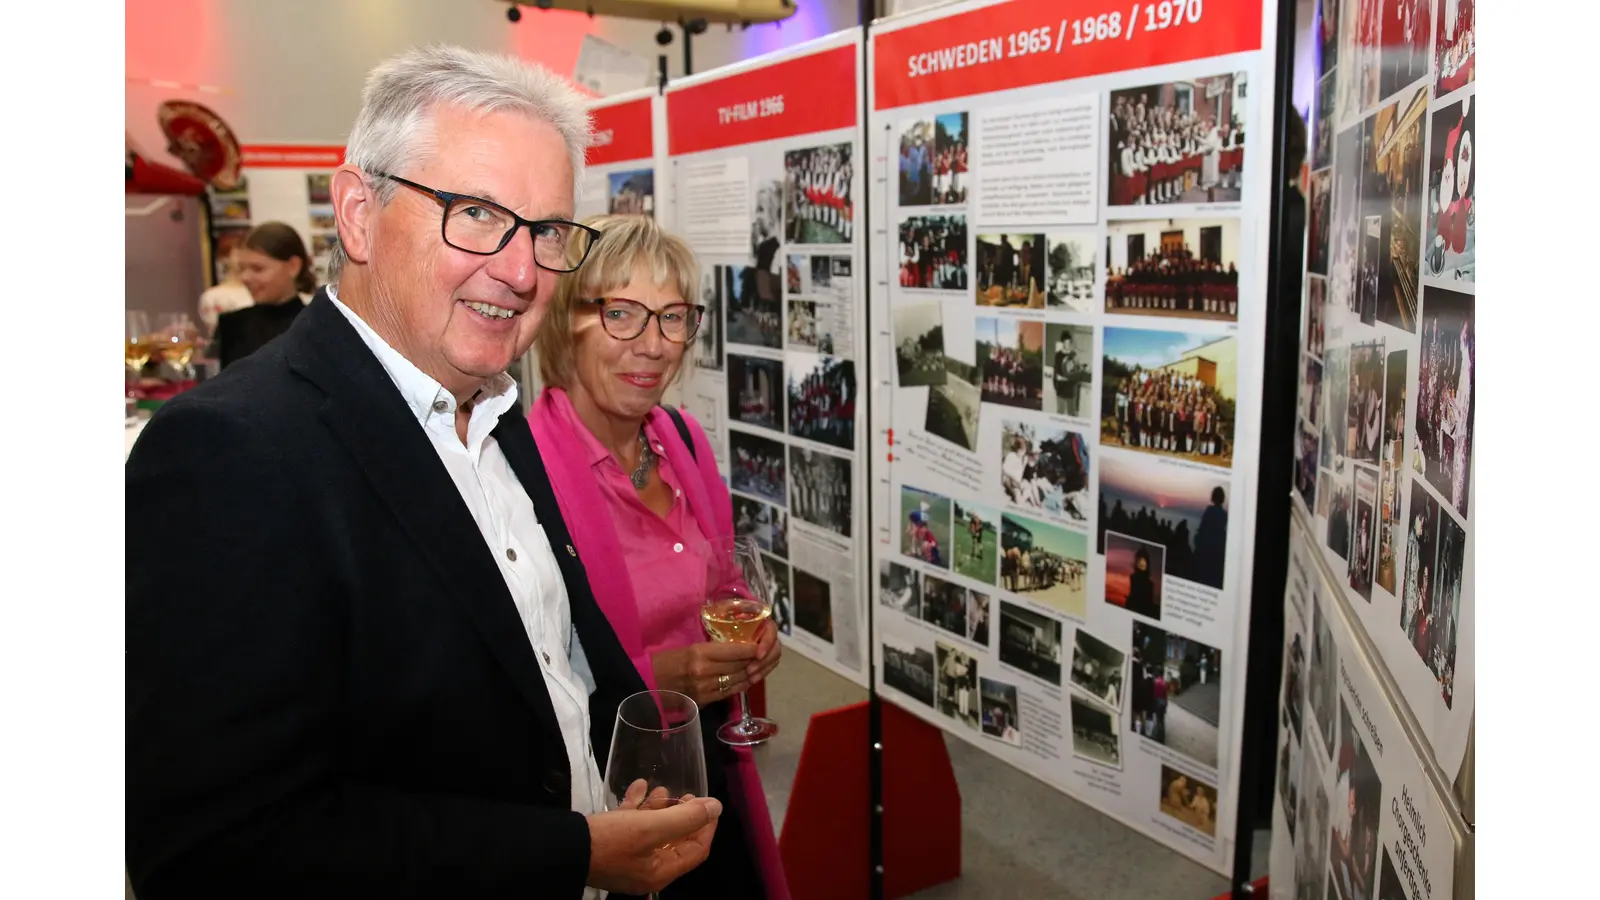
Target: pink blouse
[(668, 559)]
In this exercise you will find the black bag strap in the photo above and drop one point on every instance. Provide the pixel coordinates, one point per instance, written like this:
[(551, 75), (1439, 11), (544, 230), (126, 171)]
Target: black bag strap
[(683, 430)]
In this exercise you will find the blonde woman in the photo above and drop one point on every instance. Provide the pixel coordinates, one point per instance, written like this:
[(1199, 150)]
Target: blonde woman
[(639, 486)]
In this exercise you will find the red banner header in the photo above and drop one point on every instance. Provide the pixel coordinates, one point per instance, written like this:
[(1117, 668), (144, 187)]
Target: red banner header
[(796, 96), (622, 131), (291, 156), (1028, 42)]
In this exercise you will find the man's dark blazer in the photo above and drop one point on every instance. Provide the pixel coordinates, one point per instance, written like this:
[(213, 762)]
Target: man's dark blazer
[(329, 690)]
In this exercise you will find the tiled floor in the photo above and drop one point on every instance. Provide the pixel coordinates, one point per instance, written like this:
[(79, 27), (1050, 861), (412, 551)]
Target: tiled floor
[(1012, 843)]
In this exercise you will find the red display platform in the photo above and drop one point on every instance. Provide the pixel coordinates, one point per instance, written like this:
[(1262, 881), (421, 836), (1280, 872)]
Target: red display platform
[(827, 829), (1259, 887)]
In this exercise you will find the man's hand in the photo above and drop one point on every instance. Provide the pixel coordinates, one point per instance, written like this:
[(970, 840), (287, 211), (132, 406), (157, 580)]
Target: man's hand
[(648, 844)]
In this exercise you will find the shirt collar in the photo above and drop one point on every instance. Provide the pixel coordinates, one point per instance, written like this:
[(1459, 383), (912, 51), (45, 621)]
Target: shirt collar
[(425, 397), (594, 452)]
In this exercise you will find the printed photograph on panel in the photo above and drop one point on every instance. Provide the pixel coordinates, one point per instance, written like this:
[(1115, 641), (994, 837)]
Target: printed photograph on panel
[(1183, 511), (1442, 434), (1452, 177), (1170, 394), (933, 253), (1174, 268), (1010, 270), (817, 207), (1069, 370), (1179, 142)]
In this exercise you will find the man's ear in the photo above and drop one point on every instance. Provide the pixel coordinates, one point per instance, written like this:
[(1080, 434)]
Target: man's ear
[(355, 209)]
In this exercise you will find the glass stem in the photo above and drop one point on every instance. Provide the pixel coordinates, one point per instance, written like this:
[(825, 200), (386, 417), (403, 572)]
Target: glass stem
[(744, 711)]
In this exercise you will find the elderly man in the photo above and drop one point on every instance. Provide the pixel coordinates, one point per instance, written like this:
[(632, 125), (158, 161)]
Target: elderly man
[(363, 659)]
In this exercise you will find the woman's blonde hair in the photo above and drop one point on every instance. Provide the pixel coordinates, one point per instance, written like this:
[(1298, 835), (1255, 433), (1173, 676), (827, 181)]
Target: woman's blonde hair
[(626, 243)]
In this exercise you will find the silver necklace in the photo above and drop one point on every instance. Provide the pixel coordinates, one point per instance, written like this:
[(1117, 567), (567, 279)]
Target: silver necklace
[(641, 472)]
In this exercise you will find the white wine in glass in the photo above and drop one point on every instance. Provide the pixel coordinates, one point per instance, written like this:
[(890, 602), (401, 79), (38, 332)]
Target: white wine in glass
[(734, 612), (178, 339), (138, 345)]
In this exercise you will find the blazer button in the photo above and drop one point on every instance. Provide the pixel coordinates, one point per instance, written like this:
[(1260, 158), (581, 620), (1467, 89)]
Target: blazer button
[(557, 784)]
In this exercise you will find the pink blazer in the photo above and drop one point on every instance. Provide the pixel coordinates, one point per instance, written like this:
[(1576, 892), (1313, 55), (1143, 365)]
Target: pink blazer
[(597, 545)]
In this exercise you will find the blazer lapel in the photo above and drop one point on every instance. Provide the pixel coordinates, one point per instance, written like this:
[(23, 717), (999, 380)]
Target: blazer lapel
[(366, 412)]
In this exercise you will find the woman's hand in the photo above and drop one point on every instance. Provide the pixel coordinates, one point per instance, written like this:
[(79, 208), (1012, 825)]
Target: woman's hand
[(708, 671), (768, 650)]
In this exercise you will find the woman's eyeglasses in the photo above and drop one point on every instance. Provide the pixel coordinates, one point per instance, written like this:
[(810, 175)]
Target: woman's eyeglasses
[(626, 319)]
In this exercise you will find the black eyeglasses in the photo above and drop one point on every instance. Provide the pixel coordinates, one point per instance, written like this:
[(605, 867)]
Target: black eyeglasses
[(475, 225), (626, 319)]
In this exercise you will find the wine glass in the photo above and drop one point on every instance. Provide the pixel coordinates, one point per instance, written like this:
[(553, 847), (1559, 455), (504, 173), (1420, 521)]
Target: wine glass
[(179, 338), (734, 612), (139, 344), (656, 739)]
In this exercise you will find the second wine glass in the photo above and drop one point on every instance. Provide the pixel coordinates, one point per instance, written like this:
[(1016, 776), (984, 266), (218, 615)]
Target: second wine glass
[(734, 612)]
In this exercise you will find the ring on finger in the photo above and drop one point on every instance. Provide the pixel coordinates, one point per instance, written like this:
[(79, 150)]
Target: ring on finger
[(722, 684)]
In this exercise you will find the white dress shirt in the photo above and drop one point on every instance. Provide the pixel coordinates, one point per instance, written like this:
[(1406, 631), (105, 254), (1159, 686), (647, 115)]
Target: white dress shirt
[(506, 517)]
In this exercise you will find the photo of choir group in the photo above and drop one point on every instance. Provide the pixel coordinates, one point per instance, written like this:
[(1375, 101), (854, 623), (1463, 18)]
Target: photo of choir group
[(1010, 270), (1180, 511), (1045, 468), (1169, 393), (755, 391), (1045, 562), (1000, 717), (822, 399), (1174, 267), (817, 203), (1010, 354), (758, 467), (821, 489), (977, 543), (908, 670), (715, 285), (1405, 37), (1069, 374), (1310, 400), (1030, 642), (631, 193), (1097, 668), (933, 161), (768, 525), (1179, 142), (1430, 604), (1070, 272), (755, 308), (1356, 811), (1451, 240), (933, 252), (1189, 800), (1095, 735), (957, 694), (1176, 689)]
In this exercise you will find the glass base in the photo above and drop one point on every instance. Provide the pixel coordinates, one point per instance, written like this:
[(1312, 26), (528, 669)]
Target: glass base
[(743, 733)]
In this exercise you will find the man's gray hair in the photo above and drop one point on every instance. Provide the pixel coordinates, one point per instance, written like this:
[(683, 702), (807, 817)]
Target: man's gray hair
[(395, 123)]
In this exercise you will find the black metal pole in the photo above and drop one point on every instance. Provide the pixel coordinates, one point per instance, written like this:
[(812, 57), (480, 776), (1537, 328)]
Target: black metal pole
[(867, 11), (688, 49), (1258, 748), (661, 73)]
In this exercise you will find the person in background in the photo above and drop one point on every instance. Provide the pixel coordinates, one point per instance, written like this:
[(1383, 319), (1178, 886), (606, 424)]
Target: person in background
[(650, 516), (274, 266), (225, 296), (396, 678)]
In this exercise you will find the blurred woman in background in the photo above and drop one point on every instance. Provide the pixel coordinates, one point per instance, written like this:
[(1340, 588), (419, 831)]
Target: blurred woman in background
[(274, 266)]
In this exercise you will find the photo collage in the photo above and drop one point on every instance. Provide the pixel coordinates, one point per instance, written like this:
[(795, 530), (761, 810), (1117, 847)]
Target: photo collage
[(1063, 399), (1384, 460), (777, 353)]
